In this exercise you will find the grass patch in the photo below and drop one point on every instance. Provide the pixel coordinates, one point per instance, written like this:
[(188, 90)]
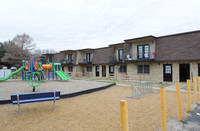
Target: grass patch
[(190, 112), (191, 88)]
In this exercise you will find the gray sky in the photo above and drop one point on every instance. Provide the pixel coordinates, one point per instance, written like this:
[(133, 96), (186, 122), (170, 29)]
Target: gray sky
[(76, 24)]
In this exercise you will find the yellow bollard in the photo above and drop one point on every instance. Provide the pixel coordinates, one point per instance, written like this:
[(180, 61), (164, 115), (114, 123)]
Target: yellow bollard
[(163, 108), (124, 115), (178, 94), (195, 90), (199, 85), (188, 95)]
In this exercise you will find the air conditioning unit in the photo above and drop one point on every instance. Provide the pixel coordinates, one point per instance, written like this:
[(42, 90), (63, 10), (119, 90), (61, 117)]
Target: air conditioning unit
[(128, 57)]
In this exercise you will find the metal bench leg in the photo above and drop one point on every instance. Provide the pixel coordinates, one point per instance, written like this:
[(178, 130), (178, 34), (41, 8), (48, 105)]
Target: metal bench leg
[(54, 100), (18, 104)]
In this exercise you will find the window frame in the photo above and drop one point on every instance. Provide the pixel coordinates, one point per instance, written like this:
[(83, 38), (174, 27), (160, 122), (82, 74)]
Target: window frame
[(89, 57), (142, 48), (143, 69), (89, 68), (122, 69), (70, 68), (111, 72), (70, 58), (120, 54)]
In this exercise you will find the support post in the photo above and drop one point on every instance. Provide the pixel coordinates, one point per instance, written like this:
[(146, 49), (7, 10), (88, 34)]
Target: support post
[(163, 108), (199, 85), (54, 100), (124, 115), (178, 94), (18, 104), (195, 90), (188, 95)]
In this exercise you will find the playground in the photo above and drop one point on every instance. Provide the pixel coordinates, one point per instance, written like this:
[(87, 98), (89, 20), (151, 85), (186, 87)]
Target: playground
[(95, 111)]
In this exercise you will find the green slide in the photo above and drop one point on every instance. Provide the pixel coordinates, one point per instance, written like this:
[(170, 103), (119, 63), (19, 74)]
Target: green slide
[(62, 75), (11, 74)]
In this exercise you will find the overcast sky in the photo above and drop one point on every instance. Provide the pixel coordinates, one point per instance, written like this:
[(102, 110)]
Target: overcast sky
[(76, 24)]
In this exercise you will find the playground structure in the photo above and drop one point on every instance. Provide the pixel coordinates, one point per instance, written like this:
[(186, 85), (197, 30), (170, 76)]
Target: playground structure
[(54, 70), (33, 72)]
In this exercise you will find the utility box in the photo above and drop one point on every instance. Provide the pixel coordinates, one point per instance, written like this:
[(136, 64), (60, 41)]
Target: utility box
[(13, 69), (4, 72)]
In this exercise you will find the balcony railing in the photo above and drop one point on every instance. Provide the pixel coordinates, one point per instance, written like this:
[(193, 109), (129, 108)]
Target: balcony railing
[(148, 56), (85, 61), (67, 61), (114, 59)]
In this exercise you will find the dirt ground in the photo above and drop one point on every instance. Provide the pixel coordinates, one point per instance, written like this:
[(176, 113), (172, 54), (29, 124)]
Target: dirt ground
[(98, 111)]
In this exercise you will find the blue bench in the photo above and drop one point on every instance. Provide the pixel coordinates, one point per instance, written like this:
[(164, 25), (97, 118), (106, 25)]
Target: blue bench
[(35, 97)]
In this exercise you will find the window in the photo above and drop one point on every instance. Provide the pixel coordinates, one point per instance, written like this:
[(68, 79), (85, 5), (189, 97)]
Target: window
[(70, 68), (120, 54), (143, 51), (111, 69), (89, 57), (89, 68), (143, 69), (70, 58), (168, 69), (50, 59), (122, 69)]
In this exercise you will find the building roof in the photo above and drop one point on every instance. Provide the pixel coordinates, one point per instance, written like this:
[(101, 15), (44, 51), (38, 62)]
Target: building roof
[(102, 55), (178, 47), (117, 44), (141, 38)]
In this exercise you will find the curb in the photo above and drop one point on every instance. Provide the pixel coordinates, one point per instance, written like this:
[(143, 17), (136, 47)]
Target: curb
[(71, 94)]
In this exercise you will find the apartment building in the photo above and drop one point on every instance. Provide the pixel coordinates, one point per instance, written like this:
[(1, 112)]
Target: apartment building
[(169, 58)]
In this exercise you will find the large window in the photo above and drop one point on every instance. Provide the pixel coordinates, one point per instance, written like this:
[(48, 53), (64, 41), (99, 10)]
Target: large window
[(111, 69), (120, 54), (143, 69), (89, 57), (122, 69), (50, 58), (143, 51), (70, 58), (70, 68), (89, 68)]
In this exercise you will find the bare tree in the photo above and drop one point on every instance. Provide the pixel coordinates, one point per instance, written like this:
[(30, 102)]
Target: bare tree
[(25, 42), (48, 51), (12, 53)]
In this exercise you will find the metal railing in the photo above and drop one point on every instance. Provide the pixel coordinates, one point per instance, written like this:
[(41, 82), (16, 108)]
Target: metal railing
[(140, 56), (85, 61), (114, 59), (67, 61), (141, 90)]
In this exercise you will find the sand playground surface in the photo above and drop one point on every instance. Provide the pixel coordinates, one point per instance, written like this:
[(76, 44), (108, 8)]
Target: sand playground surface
[(97, 111)]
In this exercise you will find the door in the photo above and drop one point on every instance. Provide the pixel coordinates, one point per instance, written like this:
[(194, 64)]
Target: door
[(167, 72), (103, 71), (97, 71), (184, 72)]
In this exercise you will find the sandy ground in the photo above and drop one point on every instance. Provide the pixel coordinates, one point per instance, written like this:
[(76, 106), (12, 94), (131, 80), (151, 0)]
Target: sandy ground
[(98, 111), (65, 87)]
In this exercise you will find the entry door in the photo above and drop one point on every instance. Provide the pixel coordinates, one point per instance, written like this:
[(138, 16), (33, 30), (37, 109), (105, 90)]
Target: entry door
[(184, 72), (97, 71), (103, 71), (199, 69), (167, 72)]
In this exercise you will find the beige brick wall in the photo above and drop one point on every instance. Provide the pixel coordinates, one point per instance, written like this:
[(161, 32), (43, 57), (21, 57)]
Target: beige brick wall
[(156, 70), (134, 46)]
